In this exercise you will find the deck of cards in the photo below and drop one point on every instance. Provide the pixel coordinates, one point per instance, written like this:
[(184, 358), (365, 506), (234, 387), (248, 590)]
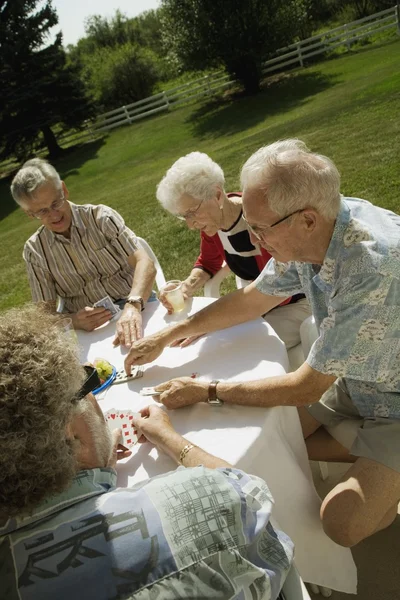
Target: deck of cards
[(149, 391), (122, 377), (107, 303), (122, 419)]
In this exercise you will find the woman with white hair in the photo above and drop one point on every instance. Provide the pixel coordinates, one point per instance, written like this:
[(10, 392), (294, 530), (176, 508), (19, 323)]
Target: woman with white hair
[(193, 190)]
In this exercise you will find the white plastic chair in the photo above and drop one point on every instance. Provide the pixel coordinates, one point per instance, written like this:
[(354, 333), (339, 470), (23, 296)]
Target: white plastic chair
[(294, 588), (160, 279)]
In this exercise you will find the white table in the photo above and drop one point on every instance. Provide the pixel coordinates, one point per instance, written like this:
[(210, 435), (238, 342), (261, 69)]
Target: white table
[(265, 442)]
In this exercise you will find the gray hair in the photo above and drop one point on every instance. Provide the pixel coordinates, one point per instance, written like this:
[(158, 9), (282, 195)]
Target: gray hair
[(195, 174), (33, 174), (292, 178), (40, 376)]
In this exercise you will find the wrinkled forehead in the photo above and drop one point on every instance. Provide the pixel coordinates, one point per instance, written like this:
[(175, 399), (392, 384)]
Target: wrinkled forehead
[(187, 202), (255, 206), (43, 196)]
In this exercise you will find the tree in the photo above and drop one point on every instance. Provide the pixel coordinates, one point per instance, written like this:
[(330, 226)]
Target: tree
[(238, 34), (38, 90)]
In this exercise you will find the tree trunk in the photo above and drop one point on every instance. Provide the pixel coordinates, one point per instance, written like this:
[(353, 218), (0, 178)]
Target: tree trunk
[(248, 72), (50, 140)]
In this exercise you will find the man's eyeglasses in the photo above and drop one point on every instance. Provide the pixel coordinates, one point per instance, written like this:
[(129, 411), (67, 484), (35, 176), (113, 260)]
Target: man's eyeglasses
[(258, 232), (44, 212), (190, 213), (91, 382)]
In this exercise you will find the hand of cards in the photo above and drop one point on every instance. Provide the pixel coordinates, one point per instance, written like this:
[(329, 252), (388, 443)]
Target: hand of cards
[(122, 377), (122, 419), (108, 304)]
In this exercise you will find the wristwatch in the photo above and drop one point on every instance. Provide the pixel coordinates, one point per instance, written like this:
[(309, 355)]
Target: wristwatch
[(136, 300), (212, 393)]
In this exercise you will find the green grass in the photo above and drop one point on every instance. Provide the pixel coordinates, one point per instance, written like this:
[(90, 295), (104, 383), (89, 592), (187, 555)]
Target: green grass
[(346, 108)]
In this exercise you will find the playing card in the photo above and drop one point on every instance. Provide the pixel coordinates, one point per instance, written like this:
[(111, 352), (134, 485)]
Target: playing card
[(107, 303), (122, 419), (121, 376), (149, 391)]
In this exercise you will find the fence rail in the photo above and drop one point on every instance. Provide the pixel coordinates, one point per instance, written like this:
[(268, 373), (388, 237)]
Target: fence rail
[(294, 55)]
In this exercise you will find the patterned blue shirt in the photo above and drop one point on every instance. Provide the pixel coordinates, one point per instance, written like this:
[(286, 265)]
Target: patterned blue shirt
[(191, 533), (355, 299)]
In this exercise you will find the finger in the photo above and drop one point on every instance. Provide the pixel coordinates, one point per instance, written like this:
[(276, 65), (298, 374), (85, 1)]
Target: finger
[(189, 341), (139, 329), (164, 386), (90, 311), (116, 341), (176, 343)]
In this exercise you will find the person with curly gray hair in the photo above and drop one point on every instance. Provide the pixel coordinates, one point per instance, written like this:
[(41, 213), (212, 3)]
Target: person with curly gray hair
[(67, 532), (82, 254), (344, 254)]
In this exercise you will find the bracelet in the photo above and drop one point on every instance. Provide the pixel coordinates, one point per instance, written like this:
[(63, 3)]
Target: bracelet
[(185, 451)]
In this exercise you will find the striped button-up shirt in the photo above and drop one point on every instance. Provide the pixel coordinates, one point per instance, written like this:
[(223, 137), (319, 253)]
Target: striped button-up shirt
[(89, 265)]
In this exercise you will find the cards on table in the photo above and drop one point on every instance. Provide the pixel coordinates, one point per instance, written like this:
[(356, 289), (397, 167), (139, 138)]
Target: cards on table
[(149, 391), (107, 303), (122, 377), (122, 419)]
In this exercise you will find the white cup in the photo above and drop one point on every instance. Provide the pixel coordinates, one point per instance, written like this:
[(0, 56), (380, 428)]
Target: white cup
[(174, 294)]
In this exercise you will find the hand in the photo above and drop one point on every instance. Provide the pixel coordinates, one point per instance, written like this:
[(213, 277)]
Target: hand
[(144, 351), (154, 425), (118, 450), (89, 318), (129, 327), (162, 298), (186, 341), (182, 391)]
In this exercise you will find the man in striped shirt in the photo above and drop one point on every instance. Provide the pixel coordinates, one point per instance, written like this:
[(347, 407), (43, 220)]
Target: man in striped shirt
[(82, 254)]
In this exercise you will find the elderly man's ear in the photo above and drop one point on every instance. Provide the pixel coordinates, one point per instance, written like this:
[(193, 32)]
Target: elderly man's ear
[(310, 218)]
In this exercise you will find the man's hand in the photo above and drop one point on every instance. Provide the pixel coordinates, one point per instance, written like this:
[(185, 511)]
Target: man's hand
[(163, 299), (129, 326), (154, 425), (182, 391), (90, 318), (144, 351)]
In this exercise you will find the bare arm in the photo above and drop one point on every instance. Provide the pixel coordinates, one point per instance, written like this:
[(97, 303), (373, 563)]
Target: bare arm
[(155, 426), (235, 308), (195, 281), (304, 386)]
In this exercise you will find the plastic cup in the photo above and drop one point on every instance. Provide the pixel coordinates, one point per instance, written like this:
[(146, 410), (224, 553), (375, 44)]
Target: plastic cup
[(68, 328), (174, 294)]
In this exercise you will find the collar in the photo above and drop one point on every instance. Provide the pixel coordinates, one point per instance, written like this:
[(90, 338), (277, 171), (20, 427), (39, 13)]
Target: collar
[(324, 279), (76, 221), (85, 484)]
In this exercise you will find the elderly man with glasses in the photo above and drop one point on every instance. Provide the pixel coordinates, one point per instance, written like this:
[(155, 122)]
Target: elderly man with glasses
[(344, 254), (82, 253), (193, 190), (67, 532)]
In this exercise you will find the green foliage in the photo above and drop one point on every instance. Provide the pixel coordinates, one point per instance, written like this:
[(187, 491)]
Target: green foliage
[(120, 59), (238, 34), (38, 90), (120, 75)]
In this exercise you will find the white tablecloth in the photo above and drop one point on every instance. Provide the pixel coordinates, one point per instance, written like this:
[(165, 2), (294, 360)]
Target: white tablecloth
[(265, 442)]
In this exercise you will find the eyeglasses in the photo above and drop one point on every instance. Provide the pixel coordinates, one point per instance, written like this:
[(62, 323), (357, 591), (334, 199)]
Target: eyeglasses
[(258, 232), (91, 383), (190, 213), (44, 212)]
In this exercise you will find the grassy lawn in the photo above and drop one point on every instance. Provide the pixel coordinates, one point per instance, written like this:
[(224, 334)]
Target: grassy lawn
[(346, 108)]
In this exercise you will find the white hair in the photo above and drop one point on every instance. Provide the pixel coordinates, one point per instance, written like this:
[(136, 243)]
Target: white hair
[(293, 178), (33, 174), (194, 174)]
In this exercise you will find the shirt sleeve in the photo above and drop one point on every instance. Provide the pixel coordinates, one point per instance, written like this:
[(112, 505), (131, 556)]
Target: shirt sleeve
[(40, 280), (279, 279), (113, 227), (210, 258), (359, 337)]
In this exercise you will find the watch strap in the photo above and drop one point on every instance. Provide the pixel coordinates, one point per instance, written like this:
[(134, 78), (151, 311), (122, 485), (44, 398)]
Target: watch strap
[(212, 393), (136, 300)]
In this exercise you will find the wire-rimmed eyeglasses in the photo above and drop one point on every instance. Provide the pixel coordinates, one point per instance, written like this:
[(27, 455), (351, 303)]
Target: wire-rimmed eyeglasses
[(44, 212), (258, 232)]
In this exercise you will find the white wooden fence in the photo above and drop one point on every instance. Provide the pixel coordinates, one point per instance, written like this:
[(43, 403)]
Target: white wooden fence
[(294, 55)]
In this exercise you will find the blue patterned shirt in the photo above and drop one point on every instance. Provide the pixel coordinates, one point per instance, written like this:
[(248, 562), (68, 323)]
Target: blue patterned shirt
[(191, 533), (355, 299)]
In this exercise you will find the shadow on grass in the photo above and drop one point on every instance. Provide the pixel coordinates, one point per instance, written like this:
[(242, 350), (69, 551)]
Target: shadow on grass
[(69, 163), (279, 94)]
